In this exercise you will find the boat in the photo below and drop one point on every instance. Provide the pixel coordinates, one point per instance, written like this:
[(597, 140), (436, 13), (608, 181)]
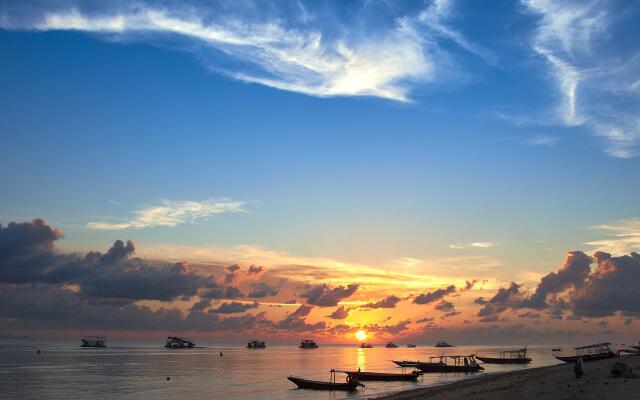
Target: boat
[(365, 346), (256, 344), (351, 384), (381, 376), (508, 357), (450, 364), (592, 352), (411, 345), (308, 344), (406, 363), (175, 342), (556, 349), (93, 341), (636, 346), (391, 345), (442, 343)]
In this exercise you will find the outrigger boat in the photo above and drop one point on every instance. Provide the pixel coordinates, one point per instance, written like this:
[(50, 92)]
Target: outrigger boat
[(592, 352), (508, 357), (406, 363), (351, 384), (381, 376), (460, 364)]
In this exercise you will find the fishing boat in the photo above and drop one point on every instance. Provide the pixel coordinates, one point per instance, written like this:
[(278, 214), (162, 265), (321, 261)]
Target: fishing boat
[(391, 345), (351, 384), (592, 352), (406, 363), (508, 357), (256, 344), (365, 345), (175, 342), (411, 345), (381, 376), (450, 364), (93, 341), (308, 344), (442, 343), (556, 349)]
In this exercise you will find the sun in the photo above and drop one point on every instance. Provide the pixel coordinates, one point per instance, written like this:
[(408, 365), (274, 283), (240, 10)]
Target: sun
[(361, 335)]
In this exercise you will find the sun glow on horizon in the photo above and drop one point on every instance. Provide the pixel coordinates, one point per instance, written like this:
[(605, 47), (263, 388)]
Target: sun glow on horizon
[(361, 335)]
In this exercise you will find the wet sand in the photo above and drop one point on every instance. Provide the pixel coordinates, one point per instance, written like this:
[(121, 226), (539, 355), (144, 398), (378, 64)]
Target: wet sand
[(554, 382)]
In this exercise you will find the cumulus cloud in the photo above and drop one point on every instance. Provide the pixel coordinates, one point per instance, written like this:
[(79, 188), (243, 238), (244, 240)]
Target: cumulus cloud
[(234, 307), (339, 313), (595, 82), (262, 289), (387, 302), (336, 58), (326, 296), (171, 213), (426, 298)]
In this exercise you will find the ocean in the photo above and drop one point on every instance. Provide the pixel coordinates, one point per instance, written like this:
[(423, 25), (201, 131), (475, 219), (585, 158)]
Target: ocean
[(69, 372)]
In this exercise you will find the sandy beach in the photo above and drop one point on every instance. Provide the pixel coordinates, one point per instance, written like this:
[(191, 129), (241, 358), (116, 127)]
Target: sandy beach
[(554, 382)]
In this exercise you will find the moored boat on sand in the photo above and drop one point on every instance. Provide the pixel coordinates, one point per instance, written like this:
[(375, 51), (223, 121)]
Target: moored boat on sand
[(381, 376), (508, 357), (592, 352), (450, 364)]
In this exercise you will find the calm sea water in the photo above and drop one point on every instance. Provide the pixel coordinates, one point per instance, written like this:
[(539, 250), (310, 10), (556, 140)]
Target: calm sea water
[(65, 372)]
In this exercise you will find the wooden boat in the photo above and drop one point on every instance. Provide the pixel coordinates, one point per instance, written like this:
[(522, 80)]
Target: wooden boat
[(93, 341), (636, 346), (350, 385), (508, 357), (381, 376), (592, 352), (450, 364), (406, 363)]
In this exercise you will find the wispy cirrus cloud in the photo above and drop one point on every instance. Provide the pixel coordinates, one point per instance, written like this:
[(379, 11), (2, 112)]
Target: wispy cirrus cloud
[(597, 82), (477, 245), (334, 58), (542, 140), (623, 237), (171, 213)]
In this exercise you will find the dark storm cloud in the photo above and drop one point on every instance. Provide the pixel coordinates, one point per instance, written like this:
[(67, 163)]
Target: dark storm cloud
[(262, 289), (426, 298), (387, 302), (325, 296), (339, 313), (501, 301), (234, 307)]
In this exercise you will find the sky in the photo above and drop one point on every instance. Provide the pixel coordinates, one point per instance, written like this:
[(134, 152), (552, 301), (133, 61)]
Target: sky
[(419, 170)]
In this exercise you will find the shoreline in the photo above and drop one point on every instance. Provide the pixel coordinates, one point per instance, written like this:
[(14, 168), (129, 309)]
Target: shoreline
[(549, 382)]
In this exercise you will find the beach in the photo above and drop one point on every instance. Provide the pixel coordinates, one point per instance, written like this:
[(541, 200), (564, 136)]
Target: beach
[(552, 382)]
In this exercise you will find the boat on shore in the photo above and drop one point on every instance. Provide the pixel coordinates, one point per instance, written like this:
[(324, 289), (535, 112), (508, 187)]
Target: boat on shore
[(508, 357), (391, 345), (308, 344), (350, 385), (256, 344), (450, 364), (175, 342), (592, 352), (365, 345), (381, 376), (93, 341), (406, 363), (442, 343)]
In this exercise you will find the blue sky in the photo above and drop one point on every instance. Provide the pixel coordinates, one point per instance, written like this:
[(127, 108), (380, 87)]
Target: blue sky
[(360, 131)]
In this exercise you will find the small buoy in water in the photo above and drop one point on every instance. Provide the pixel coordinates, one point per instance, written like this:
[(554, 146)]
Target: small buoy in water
[(38, 352), (220, 354), (168, 378)]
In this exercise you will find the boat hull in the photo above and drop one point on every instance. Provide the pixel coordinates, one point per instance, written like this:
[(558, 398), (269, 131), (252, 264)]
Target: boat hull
[(405, 364), (587, 358), (495, 360), (438, 367), (383, 376), (321, 385)]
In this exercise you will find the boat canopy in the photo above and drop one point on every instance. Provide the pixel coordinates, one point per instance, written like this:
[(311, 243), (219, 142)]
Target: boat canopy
[(597, 348)]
